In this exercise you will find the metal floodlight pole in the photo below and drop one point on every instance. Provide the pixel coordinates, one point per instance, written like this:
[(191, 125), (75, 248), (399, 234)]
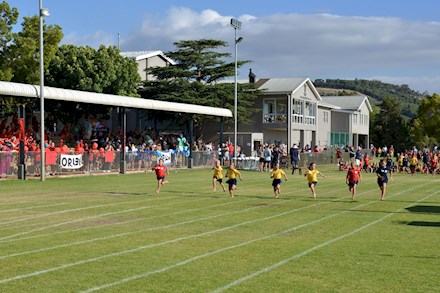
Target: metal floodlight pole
[(236, 25), (43, 12)]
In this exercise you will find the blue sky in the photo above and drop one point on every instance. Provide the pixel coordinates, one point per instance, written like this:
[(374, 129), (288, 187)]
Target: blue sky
[(389, 40)]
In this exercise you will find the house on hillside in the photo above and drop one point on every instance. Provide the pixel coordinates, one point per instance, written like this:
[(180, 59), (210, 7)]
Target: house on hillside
[(148, 59), (293, 112), (350, 123)]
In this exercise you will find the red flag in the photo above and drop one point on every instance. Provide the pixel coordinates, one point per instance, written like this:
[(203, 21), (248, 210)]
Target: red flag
[(21, 129)]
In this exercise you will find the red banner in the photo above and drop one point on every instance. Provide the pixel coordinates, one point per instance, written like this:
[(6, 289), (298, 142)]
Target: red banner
[(21, 129), (51, 158), (109, 156)]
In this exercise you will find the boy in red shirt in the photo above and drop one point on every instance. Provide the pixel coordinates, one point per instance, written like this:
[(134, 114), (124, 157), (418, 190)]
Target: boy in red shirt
[(353, 177), (160, 170)]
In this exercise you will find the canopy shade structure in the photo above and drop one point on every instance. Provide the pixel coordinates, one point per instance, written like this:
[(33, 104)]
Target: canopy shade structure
[(27, 90)]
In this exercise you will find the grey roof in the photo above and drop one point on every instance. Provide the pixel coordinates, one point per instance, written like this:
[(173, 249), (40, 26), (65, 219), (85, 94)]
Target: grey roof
[(325, 104), (139, 55), (287, 85), (350, 103)]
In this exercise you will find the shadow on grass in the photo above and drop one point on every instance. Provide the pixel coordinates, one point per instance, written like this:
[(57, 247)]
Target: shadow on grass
[(421, 223), (425, 209)]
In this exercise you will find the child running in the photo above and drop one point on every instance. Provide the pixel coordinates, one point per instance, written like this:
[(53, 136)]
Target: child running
[(312, 178), (382, 177), (277, 174), (353, 177), (160, 170), (232, 181), (218, 176)]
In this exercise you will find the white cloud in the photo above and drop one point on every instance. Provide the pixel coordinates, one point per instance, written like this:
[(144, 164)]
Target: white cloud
[(317, 45)]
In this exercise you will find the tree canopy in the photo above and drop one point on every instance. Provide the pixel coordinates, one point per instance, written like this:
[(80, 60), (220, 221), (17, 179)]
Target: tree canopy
[(8, 18), (101, 71), (197, 78), (387, 125), (426, 128)]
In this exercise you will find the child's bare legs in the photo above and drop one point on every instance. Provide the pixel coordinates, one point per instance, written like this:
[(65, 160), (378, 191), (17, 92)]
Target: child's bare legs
[(214, 184), (160, 182), (312, 189), (277, 190), (231, 190), (353, 191), (223, 186), (383, 189)]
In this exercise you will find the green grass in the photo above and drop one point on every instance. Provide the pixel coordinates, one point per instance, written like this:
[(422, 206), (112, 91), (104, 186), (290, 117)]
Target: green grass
[(115, 234)]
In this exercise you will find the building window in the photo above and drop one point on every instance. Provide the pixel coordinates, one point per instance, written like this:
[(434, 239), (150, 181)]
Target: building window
[(355, 118), (274, 111), (325, 116), (310, 113), (297, 111), (339, 139)]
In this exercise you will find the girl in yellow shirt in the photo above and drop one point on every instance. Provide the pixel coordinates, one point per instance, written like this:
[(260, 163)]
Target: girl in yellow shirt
[(277, 174), (312, 178), (218, 176), (232, 174)]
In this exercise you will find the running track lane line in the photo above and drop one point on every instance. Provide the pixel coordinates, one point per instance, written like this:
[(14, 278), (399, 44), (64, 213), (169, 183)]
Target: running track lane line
[(132, 278), (151, 229), (156, 244), (84, 219), (8, 238), (285, 261)]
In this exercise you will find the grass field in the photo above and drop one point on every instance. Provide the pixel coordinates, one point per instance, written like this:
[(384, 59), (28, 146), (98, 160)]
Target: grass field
[(115, 234)]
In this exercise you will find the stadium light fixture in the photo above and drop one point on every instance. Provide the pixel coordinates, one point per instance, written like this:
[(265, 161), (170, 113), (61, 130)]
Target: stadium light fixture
[(44, 12), (236, 24)]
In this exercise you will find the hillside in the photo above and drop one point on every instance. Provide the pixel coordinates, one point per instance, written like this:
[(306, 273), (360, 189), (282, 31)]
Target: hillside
[(376, 90)]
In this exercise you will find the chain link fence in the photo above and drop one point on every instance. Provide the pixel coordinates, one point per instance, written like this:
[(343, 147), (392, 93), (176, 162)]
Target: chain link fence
[(95, 162)]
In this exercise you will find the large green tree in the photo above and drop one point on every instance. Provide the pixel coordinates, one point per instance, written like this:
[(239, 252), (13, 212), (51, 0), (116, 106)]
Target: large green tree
[(426, 130), (197, 77), (101, 71), (20, 53), (86, 69), (387, 126), (26, 49), (8, 18)]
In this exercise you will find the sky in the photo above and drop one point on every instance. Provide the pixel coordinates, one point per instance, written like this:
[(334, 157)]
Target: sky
[(393, 41)]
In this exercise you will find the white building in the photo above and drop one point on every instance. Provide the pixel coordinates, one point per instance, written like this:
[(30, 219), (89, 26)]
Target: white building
[(148, 59)]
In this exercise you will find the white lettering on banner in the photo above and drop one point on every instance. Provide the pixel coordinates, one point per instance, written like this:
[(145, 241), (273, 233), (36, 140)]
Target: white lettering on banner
[(71, 161)]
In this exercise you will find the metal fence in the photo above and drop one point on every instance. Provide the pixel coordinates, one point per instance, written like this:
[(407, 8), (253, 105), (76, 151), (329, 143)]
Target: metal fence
[(98, 162), (110, 162)]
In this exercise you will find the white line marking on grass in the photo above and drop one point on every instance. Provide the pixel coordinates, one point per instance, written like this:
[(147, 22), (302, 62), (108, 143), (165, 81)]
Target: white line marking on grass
[(33, 207), (106, 237), (74, 210), (296, 256), (18, 277), (130, 221), (132, 278), (165, 242), (8, 238), (81, 219)]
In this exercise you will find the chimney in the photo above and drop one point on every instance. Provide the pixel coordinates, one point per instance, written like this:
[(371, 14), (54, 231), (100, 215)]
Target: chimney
[(251, 76)]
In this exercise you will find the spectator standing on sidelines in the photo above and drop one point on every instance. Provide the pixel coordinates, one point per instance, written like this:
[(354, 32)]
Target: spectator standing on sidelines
[(294, 157), (277, 174), (267, 158)]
